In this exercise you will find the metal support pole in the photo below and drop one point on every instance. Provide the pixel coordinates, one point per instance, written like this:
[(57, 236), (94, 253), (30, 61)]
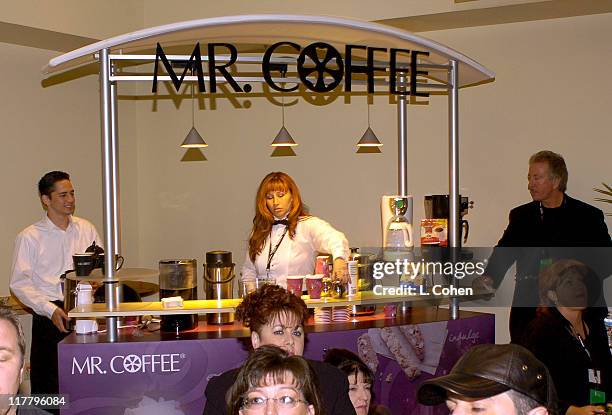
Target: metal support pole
[(453, 158), (115, 164), (108, 173), (402, 138)]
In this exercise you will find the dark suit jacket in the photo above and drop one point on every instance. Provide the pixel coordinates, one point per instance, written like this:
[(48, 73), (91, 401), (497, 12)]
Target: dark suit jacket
[(563, 232), (333, 384)]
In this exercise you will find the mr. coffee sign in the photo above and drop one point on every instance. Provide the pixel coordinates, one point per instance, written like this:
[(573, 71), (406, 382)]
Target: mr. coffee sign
[(320, 66)]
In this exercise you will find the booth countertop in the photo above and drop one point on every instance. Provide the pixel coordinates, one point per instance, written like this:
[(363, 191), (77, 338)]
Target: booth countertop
[(99, 310), (415, 315)]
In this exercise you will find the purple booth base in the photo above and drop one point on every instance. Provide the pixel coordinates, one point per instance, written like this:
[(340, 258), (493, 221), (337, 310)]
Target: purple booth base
[(169, 377)]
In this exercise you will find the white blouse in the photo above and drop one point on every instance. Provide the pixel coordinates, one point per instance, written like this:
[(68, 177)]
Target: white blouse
[(296, 256)]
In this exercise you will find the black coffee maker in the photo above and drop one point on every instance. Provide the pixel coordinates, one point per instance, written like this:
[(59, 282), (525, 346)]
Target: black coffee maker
[(437, 207)]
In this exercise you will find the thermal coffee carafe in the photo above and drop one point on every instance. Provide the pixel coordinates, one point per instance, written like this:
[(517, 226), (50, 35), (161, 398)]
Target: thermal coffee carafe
[(437, 207), (219, 283), (178, 277)]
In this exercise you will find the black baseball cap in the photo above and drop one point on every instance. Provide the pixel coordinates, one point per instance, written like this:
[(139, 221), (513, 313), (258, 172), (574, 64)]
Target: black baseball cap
[(488, 370)]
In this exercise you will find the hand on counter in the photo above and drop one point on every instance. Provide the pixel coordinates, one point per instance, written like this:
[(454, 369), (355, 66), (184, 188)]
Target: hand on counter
[(58, 318), (340, 270), (483, 284)]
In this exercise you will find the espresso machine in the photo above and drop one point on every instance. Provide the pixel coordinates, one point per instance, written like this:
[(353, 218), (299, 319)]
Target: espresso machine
[(437, 207), (219, 283)]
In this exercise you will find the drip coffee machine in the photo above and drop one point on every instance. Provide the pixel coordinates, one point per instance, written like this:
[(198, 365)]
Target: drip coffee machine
[(396, 215), (437, 207), (178, 277)]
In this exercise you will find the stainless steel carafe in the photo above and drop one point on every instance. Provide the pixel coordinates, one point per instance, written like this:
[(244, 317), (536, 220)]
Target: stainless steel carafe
[(70, 297), (219, 283)]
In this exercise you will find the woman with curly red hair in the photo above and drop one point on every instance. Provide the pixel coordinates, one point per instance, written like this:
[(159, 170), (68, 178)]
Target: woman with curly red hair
[(285, 239), (276, 317)]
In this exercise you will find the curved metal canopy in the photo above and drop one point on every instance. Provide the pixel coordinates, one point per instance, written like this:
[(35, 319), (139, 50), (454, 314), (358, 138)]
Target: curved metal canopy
[(265, 30)]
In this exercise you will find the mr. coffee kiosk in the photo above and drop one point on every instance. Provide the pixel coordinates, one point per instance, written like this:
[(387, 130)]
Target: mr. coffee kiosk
[(115, 373)]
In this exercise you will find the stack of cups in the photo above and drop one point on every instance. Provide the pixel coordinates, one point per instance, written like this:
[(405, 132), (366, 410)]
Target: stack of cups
[(323, 315), (85, 296), (341, 314)]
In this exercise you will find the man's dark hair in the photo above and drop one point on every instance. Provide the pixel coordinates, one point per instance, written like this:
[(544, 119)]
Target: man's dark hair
[(10, 317), (47, 183)]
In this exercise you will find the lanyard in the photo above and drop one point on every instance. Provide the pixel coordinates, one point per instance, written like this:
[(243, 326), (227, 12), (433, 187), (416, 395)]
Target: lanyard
[(581, 341), (563, 203), (272, 252)]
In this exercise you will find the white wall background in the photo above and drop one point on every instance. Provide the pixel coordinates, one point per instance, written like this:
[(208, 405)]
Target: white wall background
[(552, 91)]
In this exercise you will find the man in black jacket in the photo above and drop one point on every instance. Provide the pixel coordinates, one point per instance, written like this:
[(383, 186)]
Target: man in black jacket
[(551, 226)]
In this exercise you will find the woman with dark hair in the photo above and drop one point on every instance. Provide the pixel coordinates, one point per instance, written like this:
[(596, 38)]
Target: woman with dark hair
[(285, 239), (271, 377), (360, 379), (276, 317), (570, 338)]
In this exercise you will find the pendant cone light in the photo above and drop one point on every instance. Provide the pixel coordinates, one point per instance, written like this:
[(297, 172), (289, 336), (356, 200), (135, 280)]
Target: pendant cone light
[(369, 139), (193, 139)]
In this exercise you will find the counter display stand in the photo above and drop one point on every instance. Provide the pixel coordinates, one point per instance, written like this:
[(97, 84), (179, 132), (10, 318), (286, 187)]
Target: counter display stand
[(148, 372), (119, 373)]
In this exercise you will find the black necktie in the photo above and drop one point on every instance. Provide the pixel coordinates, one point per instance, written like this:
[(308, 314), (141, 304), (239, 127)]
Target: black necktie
[(281, 222)]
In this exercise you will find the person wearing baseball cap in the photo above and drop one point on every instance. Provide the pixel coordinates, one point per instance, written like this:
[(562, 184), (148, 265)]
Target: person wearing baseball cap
[(493, 379)]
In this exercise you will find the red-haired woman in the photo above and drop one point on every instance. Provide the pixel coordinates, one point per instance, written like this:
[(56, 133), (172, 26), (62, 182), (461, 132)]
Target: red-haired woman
[(285, 239)]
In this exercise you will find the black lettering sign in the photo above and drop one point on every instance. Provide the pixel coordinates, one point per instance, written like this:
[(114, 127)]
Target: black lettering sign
[(350, 68), (316, 64), (266, 67), (372, 68), (394, 70), (320, 67), (414, 73), (212, 67), (194, 60)]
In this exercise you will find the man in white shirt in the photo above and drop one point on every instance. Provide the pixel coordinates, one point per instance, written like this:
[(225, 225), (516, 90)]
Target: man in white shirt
[(43, 252)]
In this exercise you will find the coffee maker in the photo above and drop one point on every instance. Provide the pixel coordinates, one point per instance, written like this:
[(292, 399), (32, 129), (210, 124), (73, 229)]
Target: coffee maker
[(396, 219), (437, 207), (178, 277)]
